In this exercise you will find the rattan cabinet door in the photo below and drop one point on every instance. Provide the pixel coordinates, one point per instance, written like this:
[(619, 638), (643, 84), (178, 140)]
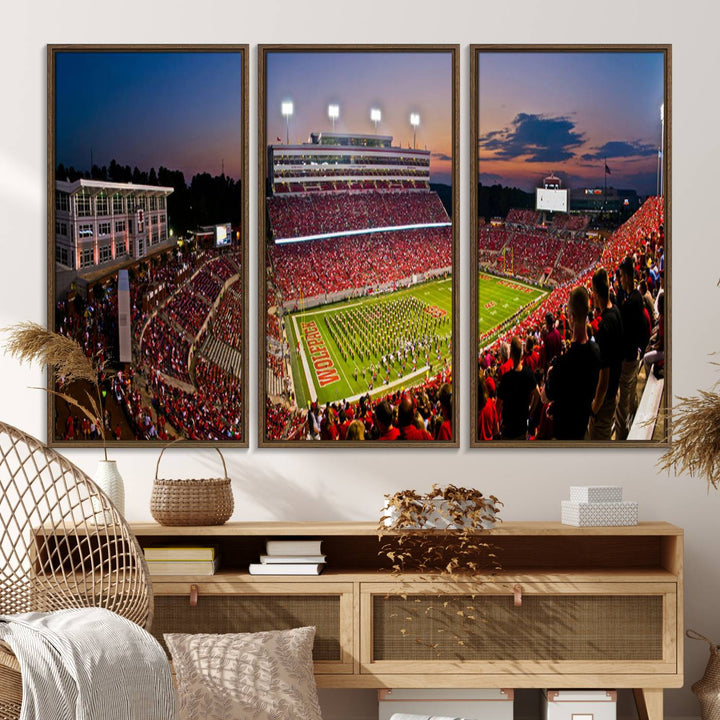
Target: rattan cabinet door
[(561, 628), (238, 607)]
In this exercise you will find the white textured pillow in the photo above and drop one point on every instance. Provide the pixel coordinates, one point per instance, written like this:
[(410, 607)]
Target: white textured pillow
[(246, 676)]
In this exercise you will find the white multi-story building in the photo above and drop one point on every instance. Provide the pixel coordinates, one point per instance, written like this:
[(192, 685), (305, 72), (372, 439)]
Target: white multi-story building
[(98, 222)]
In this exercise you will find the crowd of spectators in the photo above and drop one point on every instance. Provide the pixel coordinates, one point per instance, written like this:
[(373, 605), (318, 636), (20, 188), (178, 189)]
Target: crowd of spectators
[(300, 215), (187, 310), (94, 328), (212, 412), (204, 284), (569, 223), (493, 238), (283, 422), (303, 270), (165, 348), (225, 266), (421, 413), (531, 253), (550, 331), (575, 257), (227, 324), (164, 355), (560, 222)]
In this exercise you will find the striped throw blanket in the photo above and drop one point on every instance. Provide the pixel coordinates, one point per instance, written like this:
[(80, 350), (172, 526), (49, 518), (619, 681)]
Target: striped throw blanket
[(88, 664)]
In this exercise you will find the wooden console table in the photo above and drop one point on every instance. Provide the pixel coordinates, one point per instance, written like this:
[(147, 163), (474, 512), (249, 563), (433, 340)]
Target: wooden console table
[(572, 607)]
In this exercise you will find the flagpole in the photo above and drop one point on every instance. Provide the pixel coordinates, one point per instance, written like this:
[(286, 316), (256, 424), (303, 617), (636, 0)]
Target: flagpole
[(605, 186)]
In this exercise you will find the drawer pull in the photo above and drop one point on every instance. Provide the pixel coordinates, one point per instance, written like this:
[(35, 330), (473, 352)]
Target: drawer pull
[(517, 592), (193, 595)]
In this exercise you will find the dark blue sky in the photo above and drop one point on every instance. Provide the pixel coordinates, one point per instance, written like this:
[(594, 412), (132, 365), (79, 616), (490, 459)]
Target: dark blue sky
[(182, 110), (568, 111)]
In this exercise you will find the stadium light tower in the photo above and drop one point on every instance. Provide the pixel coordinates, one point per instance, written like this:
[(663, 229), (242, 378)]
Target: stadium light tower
[(286, 108), (376, 117), (414, 121), (333, 113)]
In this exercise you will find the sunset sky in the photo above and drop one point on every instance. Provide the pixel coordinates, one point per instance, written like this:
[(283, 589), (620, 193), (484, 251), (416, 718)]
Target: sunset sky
[(182, 110), (396, 83), (567, 112)]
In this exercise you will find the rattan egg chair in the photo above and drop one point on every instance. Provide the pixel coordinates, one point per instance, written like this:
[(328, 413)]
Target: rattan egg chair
[(62, 545)]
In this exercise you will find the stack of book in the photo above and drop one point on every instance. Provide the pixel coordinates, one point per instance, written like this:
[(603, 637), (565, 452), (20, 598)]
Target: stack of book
[(290, 557), (176, 560)]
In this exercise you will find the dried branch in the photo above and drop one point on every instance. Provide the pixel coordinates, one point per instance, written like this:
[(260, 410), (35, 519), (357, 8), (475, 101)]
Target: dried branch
[(696, 438), (457, 547), (32, 343)]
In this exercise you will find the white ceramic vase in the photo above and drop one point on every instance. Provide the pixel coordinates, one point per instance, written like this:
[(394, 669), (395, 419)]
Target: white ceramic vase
[(109, 480)]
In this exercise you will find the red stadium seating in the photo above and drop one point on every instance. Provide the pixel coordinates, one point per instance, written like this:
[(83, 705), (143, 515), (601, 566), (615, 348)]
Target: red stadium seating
[(293, 216), (316, 267), (634, 237), (213, 410)]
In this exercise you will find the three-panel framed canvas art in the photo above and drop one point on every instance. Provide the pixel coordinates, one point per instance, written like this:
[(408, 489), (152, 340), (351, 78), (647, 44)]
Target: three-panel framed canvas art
[(361, 296)]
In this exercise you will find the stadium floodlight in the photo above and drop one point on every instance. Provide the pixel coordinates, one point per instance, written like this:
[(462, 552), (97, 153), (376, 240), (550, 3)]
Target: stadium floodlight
[(333, 113), (286, 108), (376, 117), (414, 121)]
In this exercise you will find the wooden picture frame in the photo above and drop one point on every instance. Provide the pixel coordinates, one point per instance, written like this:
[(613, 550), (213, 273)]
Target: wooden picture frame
[(307, 190), (154, 285), (520, 138)]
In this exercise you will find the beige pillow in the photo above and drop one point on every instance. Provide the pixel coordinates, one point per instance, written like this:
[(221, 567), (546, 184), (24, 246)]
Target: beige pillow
[(246, 676)]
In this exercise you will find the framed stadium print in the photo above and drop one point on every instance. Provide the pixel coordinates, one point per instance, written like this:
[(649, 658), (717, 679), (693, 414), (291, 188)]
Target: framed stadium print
[(570, 245), (147, 240), (358, 178)]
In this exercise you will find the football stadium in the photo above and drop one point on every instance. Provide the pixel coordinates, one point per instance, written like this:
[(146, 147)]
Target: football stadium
[(530, 264), (359, 288), (163, 318)]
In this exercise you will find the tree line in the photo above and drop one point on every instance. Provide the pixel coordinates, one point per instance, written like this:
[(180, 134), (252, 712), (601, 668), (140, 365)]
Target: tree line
[(207, 200), (497, 200)]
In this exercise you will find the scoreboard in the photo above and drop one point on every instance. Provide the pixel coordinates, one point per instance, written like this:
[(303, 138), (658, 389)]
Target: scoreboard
[(552, 199)]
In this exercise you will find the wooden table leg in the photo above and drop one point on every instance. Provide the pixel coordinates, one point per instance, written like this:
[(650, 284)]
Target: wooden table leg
[(649, 703)]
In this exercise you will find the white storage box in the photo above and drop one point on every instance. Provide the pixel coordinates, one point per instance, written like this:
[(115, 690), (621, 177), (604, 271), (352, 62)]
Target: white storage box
[(596, 493), (579, 705), (477, 704), (597, 514)]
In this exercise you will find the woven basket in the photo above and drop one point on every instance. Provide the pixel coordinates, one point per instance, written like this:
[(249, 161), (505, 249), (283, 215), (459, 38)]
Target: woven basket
[(707, 689), (204, 501)]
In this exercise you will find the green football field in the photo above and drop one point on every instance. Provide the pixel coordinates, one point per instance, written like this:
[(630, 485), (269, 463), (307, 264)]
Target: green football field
[(501, 298), (329, 343)]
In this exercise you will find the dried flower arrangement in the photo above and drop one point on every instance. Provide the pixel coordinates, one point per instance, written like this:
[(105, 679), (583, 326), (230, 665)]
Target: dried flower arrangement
[(695, 447), (443, 533), (30, 342), (696, 438), (439, 532)]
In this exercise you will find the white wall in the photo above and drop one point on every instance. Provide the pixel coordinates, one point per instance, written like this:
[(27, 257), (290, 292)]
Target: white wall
[(282, 485)]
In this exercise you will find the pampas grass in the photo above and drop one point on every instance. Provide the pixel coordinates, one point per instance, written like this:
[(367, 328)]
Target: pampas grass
[(29, 342), (696, 438), (695, 445)]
